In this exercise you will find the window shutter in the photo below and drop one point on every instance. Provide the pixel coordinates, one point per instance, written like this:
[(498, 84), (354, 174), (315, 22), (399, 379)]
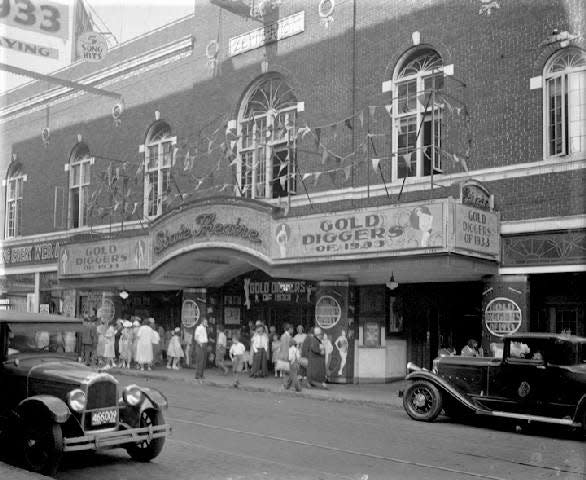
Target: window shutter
[(59, 209)]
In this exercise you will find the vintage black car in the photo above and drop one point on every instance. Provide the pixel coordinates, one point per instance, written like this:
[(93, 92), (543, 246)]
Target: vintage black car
[(541, 377), (51, 405)]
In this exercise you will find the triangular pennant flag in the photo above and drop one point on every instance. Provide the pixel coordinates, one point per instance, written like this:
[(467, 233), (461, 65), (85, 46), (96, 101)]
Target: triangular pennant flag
[(407, 160), (135, 206), (116, 206), (375, 163), (317, 136), (348, 122), (389, 109), (316, 178), (234, 161), (324, 156), (303, 131), (347, 172), (455, 158), (334, 128), (372, 110), (306, 176), (233, 144), (174, 158), (464, 164), (282, 166), (361, 118), (282, 181)]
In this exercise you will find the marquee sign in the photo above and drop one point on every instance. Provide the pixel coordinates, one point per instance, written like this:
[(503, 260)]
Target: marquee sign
[(229, 225), (373, 230), (119, 255)]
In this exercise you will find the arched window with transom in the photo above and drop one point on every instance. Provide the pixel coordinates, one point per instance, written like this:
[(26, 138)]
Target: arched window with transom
[(14, 184), (266, 150), (418, 76), (565, 103), (80, 162), (158, 159)]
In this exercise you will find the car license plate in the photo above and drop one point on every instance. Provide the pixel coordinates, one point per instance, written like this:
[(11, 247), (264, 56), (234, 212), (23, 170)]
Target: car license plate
[(105, 416)]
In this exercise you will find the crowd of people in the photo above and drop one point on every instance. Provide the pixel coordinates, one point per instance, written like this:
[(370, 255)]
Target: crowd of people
[(127, 343)]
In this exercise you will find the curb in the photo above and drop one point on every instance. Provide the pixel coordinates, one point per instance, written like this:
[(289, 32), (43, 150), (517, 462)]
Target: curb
[(10, 472), (394, 400)]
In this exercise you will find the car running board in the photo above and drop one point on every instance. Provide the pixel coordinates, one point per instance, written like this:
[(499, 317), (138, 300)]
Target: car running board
[(536, 418)]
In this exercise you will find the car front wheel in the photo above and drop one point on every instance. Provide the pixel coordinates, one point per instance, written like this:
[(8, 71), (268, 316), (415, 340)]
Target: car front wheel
[(41, 447), (422, 401), (146, 450)]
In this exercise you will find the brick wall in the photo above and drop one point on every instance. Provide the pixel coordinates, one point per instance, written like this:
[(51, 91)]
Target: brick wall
[(494, 56)]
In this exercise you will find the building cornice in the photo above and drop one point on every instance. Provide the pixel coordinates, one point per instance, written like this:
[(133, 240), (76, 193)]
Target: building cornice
[(131, 67)]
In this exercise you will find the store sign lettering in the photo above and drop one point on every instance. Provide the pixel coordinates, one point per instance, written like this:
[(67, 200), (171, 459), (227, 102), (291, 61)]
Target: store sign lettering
[(29, 254), (101, 258), (277, 291), (476, 196), (502, 316), (476, 230), (286, 27), (205, 225)]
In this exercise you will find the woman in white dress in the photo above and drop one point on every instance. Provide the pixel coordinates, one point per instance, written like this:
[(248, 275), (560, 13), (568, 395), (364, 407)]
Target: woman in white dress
[(144, 345)]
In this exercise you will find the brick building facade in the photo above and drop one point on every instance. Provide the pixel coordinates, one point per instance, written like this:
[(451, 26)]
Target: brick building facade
[(279, 167)]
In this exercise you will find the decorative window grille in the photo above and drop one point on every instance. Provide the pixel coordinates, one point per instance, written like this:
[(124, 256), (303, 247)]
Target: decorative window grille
[(565, 103), (79, 183), (415, 106), (14, 191), (158, 161), (266, 150)]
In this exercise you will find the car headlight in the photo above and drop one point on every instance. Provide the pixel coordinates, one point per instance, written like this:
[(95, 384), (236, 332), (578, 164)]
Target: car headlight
[(132, 395), (77, 400)]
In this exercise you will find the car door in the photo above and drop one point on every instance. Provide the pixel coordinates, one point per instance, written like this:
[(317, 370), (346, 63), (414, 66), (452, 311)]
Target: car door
[(524, 382)]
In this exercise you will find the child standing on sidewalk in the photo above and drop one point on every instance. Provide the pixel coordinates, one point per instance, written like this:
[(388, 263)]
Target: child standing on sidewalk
[(294, 356), (237, 356), (174, 350)]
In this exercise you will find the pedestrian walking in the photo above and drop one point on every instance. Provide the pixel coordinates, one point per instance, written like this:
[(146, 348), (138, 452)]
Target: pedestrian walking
[(201, 341), (294, 356), (144, 345), (316, 367), (174, 350), (136, 322), (259, 347), (221, 344), (109, 349), (118, 327), (236, 354), (282, 365)]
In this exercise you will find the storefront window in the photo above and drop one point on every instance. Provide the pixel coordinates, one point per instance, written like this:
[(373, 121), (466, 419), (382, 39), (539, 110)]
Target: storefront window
[(18, 292)]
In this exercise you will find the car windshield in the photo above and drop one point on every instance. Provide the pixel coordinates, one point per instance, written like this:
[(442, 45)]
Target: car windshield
[(58, 338)]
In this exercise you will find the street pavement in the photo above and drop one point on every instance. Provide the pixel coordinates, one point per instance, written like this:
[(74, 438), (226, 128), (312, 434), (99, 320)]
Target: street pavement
[(246, 434)]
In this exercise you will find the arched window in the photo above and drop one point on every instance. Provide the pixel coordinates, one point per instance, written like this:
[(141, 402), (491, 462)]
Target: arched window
[(416, 109), (14, 194), (80, 163), (158, 158), (565, 103), (266, 126)]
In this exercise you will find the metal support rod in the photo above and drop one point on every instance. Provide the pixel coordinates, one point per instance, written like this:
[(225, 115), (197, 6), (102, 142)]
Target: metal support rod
[(59, 81)]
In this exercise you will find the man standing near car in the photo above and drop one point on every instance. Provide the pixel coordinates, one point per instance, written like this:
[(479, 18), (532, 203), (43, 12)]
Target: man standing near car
[(201, 341)]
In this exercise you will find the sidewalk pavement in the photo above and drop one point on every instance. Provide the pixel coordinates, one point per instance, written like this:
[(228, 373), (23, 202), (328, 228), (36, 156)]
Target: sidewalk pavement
[(379, 394), (8, 472)]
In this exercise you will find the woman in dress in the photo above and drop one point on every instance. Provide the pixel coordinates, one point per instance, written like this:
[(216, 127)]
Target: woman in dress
[(109, 349), (125, 344), (101, 329), (275, 348), (174, 350), (144, 345)]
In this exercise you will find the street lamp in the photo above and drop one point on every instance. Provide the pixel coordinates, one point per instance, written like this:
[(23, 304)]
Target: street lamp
[(391, 284)]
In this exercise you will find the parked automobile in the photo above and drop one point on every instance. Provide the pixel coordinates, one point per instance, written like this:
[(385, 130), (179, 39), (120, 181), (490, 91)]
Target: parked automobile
[(50, 404), (541, 377)]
